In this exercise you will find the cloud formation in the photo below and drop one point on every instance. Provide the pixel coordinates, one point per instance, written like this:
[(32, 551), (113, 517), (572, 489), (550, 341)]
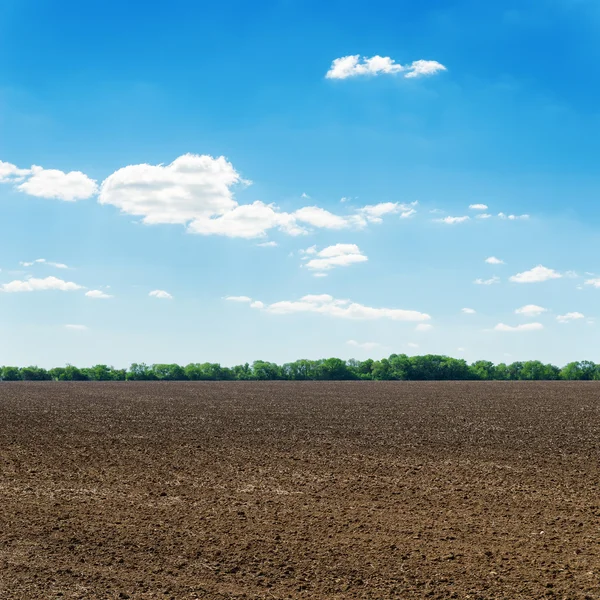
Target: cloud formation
[(490, 281), (39, 285), (492, 260), (363, 345), (522, 327), (571, 316), (354, 65), (343, 309), (478, 206), (49, 183), (98, 295), (338, 255), (43, 261), (468, 311), (160, 294), (452, 220), (531, 310), (536, 275)]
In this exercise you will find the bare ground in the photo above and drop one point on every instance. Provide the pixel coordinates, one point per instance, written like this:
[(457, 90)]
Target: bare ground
[(299, 490)]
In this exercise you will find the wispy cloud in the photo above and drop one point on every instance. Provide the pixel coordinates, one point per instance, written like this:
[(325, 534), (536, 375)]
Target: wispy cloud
[(522, 327), (490, 281)]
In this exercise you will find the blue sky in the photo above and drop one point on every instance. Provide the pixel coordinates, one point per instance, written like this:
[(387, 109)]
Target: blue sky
[(114, 118)]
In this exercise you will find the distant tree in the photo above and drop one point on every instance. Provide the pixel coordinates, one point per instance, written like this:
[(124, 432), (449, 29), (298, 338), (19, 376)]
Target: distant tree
[(170, 372), (10, 374), (34, 374), (263, 370), (483, 369)]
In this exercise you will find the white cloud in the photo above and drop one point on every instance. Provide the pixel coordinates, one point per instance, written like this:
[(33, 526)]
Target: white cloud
[(478, 206), (49, 183), (304, 195), (483, 216), (531, 310), (501, 215), (452, 220), (572, 316), (268, 244), (412, 345), (98, 295), (12, 174), (468, 311), (38, 285), (238, 298), (363, 345), (354, 65), (490, 281), (345, 199), (338, 255), (248, 221), (593, 282), (522, 327), (257, 304), (492, 260), (460, 349), (319, 274), (344, 309), (372, 213), (76, 327), (44, 262), (191, 187), (161, 294), (536, 275), (52, 183), (424, 327)]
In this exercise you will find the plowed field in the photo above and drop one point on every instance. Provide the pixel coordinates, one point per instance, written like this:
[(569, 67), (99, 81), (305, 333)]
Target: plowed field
[(299, 490)]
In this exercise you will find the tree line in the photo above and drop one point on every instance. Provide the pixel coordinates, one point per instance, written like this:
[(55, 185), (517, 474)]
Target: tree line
[(399, 367)]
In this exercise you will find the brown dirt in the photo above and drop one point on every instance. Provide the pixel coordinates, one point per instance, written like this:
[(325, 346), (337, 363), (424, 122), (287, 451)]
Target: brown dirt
[(299, 490)]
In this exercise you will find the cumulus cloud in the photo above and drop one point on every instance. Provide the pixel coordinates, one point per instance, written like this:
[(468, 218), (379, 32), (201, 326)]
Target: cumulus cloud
[(52, 183), (522, 327), (363, 345), (98, 295), (478, 206), (160, 294), (49, 183), (531, 310), (191, 187), (492, 260), (483, 216), (76, 327), (452, 220), (536, 275), (338, 255), (468, 311), (238, 298), (344, 309), (39, 285), (501, 215), (490, 281), (257, 304), (355, 65), (43, 261), (424, 327), (11, 174), (571, 316), (593, 282)]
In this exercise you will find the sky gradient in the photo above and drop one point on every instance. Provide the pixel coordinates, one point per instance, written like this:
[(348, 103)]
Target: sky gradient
[(226, 182)]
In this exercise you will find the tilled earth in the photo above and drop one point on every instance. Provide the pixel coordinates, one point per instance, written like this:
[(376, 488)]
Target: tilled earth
[(300, 490)]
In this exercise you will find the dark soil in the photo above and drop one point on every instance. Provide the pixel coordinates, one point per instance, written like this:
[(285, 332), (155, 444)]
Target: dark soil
[(299, 490)]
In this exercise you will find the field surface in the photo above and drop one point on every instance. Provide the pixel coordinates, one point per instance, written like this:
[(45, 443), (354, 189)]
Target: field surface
[(300, 490)]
